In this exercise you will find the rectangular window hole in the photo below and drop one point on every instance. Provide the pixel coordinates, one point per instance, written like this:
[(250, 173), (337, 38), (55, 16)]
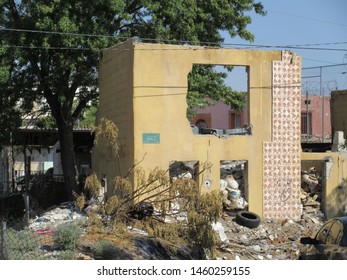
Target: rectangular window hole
[(233, 184)]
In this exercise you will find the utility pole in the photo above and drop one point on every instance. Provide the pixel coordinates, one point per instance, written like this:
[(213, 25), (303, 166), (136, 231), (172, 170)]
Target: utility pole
[(307, 120), (322, 94)]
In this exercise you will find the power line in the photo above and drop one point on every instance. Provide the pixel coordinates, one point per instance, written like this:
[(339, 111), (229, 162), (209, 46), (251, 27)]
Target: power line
[(227, 45), (317, 60), (309, 18), (47, 48), (289, 47), (297, 46), (60, 33), (324, 66), (321, 44)]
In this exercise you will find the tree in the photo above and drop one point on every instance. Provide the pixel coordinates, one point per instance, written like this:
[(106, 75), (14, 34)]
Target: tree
[(205, 85), (53, 47)]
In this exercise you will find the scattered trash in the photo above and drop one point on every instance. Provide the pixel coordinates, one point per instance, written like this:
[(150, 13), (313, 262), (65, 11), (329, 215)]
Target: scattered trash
[(53, 217), (311, 191), (218, 227), (142, 210), (310, 179), (232, 185), (183, 169), (44, 232)]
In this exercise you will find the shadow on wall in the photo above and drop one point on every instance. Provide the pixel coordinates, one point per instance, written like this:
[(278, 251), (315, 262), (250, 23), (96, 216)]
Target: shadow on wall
[(337, 200)]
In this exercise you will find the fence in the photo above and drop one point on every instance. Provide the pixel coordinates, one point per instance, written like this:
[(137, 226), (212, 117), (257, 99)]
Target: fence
[(317, 85), (19, 241), (29, 243)]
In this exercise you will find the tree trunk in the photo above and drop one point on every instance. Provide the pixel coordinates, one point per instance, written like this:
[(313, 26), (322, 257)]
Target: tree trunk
[(68, 160)]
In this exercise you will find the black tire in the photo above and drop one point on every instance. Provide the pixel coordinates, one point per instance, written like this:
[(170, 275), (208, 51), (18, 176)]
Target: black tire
[(247, 219)]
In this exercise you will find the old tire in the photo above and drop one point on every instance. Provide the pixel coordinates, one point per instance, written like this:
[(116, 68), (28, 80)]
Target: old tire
[(247, 219)]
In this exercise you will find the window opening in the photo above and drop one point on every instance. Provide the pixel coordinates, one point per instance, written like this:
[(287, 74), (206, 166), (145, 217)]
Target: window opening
[(181, 170), (233, 184), (312, 185), (217, 100)]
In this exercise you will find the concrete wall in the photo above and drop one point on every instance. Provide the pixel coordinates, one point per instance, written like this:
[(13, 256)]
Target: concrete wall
[(338, 111), (143, 89), (116, 103), (333, 167)]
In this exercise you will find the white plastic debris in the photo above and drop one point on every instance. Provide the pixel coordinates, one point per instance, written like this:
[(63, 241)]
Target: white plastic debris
[(218, 227), (232, 183), (223, 184), (186, 175), (257, 248)]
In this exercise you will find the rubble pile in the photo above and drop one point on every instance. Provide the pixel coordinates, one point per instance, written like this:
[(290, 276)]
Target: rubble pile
[(271, 240), (311, 191), (53, 217)]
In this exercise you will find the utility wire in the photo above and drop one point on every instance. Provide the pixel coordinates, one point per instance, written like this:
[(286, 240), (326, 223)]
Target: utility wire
[(60, 33), (309, 18), (162, 49), (325, 66), (297, 46)]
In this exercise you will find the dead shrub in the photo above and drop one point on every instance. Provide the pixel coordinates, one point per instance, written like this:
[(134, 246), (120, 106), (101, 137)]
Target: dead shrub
[(80, 201), (93, 185), (157, 188), (107, 133), (173, 232), (95, 223)]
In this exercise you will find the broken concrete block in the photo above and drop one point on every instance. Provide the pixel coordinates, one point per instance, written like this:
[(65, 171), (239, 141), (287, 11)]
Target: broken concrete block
[(338, 142)]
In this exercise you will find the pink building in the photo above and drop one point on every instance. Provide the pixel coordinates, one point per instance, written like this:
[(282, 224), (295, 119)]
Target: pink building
[(221, 116), (315, 117)]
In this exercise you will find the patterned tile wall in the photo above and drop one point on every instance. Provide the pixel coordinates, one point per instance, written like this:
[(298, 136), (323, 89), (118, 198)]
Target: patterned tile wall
[(281, 156)]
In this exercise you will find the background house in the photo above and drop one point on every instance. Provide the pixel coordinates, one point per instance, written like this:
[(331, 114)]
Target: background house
[(315, 118), (36, 151), (221, 116)]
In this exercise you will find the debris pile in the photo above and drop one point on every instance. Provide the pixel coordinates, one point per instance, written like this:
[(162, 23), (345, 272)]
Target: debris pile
[(232, 185), (271, 240), (311, 191), (55, 216), (275, 240)]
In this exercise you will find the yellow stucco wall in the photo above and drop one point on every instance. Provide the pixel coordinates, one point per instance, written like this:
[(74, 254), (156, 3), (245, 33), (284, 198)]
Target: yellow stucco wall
[(143, 89), (333, 167), (116, 104)]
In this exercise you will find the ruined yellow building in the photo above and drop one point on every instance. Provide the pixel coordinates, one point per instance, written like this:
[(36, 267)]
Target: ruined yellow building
[(143, 90)]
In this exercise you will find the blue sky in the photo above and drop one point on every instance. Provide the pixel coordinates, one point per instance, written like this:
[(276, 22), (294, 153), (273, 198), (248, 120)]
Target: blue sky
[(319, 23)]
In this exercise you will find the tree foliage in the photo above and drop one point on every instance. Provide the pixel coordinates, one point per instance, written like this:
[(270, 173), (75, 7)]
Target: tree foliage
[(206, 85), (50, 49)]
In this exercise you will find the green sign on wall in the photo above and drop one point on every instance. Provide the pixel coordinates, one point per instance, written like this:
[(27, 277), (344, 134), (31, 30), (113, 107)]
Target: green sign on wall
[(151, 138)]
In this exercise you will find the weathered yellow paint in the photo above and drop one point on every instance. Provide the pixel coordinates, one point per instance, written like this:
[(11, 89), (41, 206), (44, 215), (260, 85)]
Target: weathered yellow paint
[(143, 89)]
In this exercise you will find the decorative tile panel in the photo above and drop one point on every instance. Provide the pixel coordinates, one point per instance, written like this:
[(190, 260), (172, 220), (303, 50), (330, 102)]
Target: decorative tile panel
[(281, 156)]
